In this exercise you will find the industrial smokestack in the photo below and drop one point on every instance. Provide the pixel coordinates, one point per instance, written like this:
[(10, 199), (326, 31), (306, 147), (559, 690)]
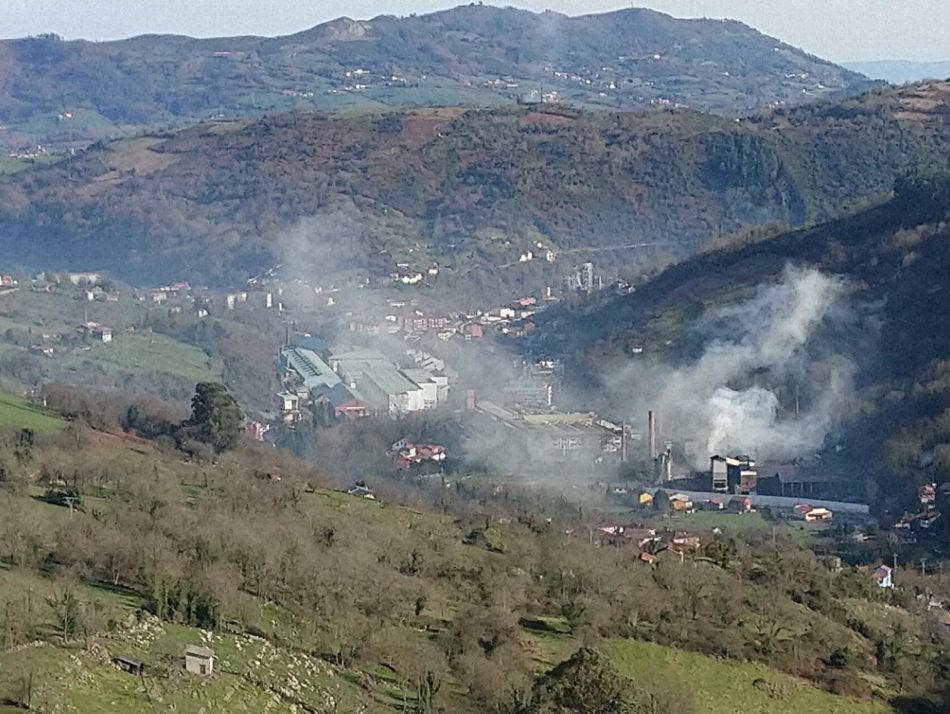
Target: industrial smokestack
[(470, 400), (651, 430), (623, 443)]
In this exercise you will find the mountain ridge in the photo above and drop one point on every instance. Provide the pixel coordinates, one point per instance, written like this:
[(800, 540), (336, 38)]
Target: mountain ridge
[(466, 189), (468, 55)]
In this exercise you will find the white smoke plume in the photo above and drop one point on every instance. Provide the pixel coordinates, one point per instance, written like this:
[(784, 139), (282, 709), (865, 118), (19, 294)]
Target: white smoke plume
[(764, 355)]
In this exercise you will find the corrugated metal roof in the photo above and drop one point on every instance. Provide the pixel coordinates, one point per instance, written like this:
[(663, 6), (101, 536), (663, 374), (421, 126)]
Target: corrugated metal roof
[(419, 376), (338, 395), (390, 381), (313, 371)]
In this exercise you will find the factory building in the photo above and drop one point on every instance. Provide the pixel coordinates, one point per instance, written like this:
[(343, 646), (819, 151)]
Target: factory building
[(531, 391), (391, 392), (732, 474), (315, 384), (387, 388), (530, 439), (430, 384)]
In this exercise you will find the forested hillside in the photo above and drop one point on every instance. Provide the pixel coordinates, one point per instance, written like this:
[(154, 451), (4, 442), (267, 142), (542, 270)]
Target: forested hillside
[(893, 258), (426, 600), (58, 93), (469, 190)]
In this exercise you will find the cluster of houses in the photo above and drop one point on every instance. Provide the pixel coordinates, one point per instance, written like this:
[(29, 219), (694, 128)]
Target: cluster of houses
[(78, 340), (913, 526), (354, 382), (407, 453), (407, 319), (181, 297), (649, 541)]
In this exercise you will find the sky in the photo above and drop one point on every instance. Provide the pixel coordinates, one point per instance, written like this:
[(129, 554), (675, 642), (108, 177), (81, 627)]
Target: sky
[(839, 30)]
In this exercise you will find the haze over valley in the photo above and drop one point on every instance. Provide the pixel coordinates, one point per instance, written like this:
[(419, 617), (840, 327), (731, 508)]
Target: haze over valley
[(482, 360)]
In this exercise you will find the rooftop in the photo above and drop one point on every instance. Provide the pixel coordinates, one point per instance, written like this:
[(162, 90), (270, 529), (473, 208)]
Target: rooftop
[(199, 651), (390, 381), (312, 370), (338, 395), (309, 342), (418, 375)]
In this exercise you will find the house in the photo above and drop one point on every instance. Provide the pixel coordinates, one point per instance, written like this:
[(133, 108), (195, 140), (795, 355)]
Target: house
[(97, 332), (818, 514), (129, 664), (361, 490), (640, 536), (645, 499), (473, 331), (681, 503), (288, 406), (78, 279), (647, 558), (684, 541), (800, 510), (927, 494), (256, 430), (882, 575), (407, 453), (740, 504), (804, 512), (199, 660)]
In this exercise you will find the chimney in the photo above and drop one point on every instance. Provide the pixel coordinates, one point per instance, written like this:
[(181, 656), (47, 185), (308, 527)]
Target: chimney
[(623, 443), (470, 400), (651, 428)]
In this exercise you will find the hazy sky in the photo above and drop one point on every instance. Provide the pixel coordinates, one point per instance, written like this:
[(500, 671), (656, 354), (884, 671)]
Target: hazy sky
[(836, 29)]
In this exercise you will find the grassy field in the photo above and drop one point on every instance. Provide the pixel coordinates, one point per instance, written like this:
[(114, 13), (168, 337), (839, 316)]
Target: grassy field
[(18, 413), (11, 165), (149, 352), (729, 687), (133, 359), (253, 673), (250, 675), (733, 522), (726, 687)]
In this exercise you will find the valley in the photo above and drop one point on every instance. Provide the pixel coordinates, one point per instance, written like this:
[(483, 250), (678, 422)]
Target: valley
[(481, 361)]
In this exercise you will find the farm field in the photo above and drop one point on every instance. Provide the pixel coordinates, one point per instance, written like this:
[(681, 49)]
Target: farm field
[(20, 414), (730, 687)]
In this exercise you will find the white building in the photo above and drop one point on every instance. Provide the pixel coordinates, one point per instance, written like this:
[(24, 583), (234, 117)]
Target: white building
[(391, 391), (428, 385), (199, 660)]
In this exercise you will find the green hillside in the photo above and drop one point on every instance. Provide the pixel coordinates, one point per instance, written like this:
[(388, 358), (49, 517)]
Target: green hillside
[(893, 257), (137, 359), (729, 687), (20, 414), (58, 93), (256, 556), (330, 197)]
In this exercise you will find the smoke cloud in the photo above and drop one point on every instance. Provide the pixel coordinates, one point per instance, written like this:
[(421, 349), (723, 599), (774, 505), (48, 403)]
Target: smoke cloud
[(770, 380)]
